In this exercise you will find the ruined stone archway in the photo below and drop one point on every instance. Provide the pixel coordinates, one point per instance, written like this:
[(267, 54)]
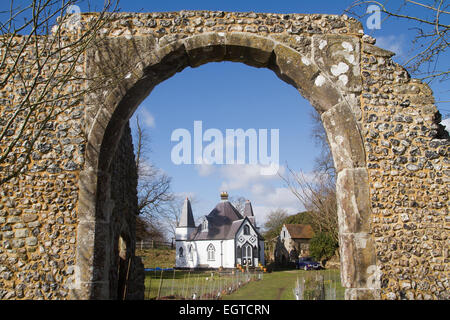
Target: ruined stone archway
[(389, 149), (154, 63), (343, 76)]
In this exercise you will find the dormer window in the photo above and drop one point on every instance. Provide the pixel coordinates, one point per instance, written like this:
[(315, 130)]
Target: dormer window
[(246, 230), (205, 225)]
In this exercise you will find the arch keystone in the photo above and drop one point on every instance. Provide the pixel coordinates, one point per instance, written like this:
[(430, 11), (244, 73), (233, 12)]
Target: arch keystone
[(338, 56), (248, 48), (203, 48)]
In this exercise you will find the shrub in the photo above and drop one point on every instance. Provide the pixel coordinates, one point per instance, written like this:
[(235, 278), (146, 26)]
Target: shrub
[(322, 246)]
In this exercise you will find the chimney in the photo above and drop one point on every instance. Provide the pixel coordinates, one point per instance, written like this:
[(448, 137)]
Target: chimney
[(224, 196)]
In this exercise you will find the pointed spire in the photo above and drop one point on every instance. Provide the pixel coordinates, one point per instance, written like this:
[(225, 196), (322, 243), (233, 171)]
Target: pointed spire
[(187, 218), (248, 210)]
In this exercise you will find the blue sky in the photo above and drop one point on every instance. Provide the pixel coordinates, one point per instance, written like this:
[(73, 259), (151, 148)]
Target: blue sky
[(231, 95)]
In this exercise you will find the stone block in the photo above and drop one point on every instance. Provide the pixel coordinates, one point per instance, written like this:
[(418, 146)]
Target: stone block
[(28, 217), (358, 261), (338, 57), (21, 233), (344, 137), (362, 294), (303, 74), (204, 48), (250, 49), (376, 51), (353, 196)]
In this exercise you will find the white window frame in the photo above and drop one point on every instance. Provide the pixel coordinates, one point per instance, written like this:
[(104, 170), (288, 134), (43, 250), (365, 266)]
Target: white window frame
[(205, 225), (211, 250), (247, 228)]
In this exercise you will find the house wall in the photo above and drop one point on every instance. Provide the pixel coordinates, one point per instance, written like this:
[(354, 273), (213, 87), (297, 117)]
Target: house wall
[(301, 246), (183, 233), (286, 239), (252, 238), (284, 233), (261, 253), (224, 254)]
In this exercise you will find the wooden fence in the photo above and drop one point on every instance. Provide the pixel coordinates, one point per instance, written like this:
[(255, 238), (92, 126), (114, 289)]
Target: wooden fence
[(154, 244)]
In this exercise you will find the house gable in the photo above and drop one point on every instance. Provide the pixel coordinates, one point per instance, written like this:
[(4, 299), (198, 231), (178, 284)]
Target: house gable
[(299, 231)]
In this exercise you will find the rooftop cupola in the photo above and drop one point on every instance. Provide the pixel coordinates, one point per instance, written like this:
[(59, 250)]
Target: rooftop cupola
[(224, 196)]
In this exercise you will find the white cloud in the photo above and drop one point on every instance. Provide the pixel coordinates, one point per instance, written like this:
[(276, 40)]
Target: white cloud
[(446, 123), (282, 198), (262, 212), (205, 170), (147, 118), (279, 198), (260, 189), (393, 43), (184, 195), (146, 167), (241, 176), (265, 192)]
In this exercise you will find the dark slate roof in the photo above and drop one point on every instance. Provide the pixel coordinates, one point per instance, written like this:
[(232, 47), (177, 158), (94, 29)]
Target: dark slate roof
[(248, 210), (223, 222), (300, 231), (186, 218)]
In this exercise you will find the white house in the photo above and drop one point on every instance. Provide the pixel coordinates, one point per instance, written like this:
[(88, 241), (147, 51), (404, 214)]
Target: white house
[(293, 242), (224, 238)]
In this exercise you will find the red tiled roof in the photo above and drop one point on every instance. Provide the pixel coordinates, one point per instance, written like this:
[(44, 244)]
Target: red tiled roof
[(300, 231)]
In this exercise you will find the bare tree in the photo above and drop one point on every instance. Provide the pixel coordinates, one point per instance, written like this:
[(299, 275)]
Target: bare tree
[(148, 228), (170, 214), (157, 205), (324, 163), (431, 33), (317, 191), (41, 49), (274, 221), (239, 203), (153, 185), (318, 196)]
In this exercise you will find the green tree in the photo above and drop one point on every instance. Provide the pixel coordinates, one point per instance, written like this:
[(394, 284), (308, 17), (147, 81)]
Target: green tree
[(277, 218), (300, 218), (274, 222), (322, 246)]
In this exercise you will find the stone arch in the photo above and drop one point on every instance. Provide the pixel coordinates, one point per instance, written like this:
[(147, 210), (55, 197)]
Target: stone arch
[(150, 63), (388, 145)]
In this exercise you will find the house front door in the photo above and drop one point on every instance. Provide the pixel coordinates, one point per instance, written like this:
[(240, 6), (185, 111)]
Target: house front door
[(247, 255)]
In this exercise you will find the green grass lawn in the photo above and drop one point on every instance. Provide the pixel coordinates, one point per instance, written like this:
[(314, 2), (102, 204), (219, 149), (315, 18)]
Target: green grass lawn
[(177, 284), (279, 285), (276, 285), (152, 258)]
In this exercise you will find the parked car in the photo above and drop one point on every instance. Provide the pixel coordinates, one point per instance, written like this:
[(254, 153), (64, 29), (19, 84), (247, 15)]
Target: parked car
[(307, 264)]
